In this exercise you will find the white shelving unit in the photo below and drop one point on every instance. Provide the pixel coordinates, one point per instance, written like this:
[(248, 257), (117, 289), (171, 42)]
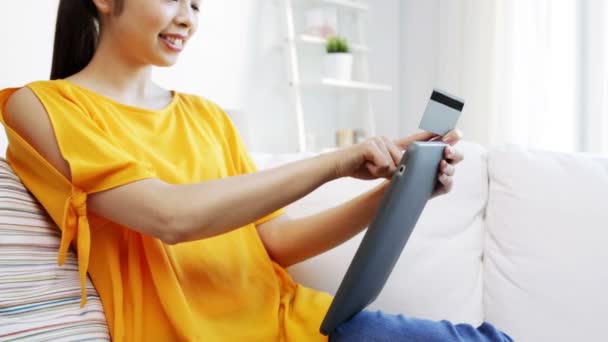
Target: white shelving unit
[(297, 85), (307, 38), (356, 5)]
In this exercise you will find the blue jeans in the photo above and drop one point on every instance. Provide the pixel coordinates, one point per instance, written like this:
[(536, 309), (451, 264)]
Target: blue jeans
[(378, 326)]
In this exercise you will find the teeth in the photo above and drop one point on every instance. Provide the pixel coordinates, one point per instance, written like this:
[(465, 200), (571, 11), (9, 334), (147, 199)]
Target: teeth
[(175, 41)]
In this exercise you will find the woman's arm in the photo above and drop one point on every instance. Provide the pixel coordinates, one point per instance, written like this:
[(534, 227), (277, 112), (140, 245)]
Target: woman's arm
[(178, 213), (291, 241), (201, 210)]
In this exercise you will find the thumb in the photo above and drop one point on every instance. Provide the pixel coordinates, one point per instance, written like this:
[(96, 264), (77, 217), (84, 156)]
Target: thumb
[(422, 136)]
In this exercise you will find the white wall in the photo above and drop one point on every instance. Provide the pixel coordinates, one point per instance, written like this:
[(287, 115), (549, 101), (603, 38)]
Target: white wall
[(437, 51), (418, 57), (26, 28), (385, 61)]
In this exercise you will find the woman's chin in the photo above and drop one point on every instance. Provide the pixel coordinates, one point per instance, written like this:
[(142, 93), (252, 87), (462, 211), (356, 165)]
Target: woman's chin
[(166, 62)]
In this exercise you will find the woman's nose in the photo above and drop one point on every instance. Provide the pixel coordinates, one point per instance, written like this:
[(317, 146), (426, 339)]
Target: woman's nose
[(186, 16)]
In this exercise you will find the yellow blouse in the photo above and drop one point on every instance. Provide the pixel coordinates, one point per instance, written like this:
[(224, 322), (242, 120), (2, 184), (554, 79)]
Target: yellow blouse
[(224, 288)]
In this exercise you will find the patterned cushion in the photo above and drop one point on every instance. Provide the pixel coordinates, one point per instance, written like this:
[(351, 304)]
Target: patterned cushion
[(39, 301)]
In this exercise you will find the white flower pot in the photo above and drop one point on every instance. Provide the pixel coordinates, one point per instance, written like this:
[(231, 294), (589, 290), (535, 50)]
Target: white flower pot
[(339, 66)]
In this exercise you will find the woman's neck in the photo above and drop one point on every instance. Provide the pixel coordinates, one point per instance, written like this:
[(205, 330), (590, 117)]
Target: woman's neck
[(113, 74)]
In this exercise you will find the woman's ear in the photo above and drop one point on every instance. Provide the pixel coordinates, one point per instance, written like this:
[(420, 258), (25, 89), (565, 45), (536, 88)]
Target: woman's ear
[(104, 6)]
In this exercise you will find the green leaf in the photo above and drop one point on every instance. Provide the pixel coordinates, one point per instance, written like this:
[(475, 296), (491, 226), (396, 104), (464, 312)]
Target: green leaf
[(337, 45)]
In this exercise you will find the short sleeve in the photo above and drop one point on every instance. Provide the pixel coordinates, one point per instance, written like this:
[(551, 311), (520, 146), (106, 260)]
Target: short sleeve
[(96, 164), (242, 159)]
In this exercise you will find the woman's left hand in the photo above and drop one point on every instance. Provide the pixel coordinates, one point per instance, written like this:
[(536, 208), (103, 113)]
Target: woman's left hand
[(447, 167)]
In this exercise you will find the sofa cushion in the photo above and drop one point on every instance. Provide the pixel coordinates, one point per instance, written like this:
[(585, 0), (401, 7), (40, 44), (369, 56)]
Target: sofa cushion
[(546, 252), (438, 276), (38, 299)]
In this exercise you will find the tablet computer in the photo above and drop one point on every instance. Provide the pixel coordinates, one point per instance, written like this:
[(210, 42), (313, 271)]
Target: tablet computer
[(408, 192)]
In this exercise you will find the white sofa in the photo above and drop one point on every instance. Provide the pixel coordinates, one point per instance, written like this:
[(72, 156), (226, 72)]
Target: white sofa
[(520, 242)]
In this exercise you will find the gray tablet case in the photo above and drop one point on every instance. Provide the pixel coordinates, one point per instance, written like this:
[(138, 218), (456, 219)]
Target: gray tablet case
[(403, 202)]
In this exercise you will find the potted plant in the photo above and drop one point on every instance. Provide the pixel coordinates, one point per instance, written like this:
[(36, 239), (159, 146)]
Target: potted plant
[(339, 60)]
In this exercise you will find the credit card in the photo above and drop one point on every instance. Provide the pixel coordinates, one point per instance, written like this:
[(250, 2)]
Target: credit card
[(441, 113)]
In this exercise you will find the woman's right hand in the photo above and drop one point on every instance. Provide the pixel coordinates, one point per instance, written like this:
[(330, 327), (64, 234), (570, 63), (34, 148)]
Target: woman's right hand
[(376, 157)]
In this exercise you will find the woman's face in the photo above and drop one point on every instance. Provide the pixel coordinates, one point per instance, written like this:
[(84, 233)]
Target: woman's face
[(150, 31)]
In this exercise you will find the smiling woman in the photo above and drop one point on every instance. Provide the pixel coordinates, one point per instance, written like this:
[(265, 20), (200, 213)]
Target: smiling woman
[(80, 24), (182, 237)]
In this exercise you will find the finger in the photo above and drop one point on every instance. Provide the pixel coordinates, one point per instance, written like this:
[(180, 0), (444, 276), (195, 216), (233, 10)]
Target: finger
[(447, 169), (453, 155), (422, 136), (388, 171), (439, 188), (376, 159), (448, 184), (439, 191), (385, 150), (394, 151), (446, 181), (452, 137), (376, 171)]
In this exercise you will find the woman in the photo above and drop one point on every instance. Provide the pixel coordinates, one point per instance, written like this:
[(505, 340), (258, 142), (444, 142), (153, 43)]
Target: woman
[(181, 237)]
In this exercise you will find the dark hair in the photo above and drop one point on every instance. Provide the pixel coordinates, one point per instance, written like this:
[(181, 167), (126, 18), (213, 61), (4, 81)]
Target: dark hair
[(76, 35)]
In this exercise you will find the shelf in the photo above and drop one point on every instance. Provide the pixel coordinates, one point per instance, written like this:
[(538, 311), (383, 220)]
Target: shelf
[(351, 4), (349, 84), (311, 39), (297, 38)]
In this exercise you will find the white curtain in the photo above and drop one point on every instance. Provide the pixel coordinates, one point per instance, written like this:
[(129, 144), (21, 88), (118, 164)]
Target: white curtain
[(595, 76), (532, 72), (537, 73)]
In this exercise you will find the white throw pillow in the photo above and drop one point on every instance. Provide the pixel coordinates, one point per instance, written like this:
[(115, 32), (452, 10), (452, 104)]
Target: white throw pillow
[(546, 256)]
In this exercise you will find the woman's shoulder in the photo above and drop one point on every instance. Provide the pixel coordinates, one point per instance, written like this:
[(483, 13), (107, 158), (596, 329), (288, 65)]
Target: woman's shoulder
[(45, 84), (198, 100), (43, 96), (33, 86), (28, 91), (51, 89), (204, 105)]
